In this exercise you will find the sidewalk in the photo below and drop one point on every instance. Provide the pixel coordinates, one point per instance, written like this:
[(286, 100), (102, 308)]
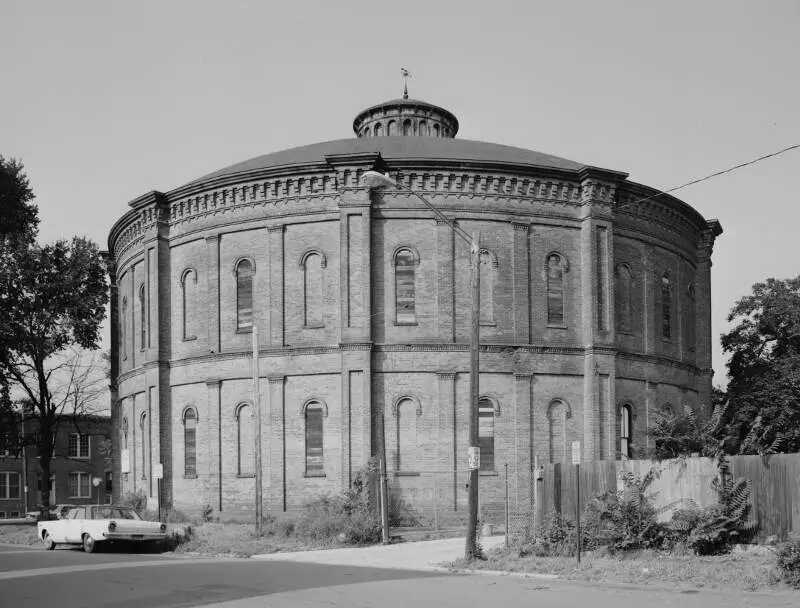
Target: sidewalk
[(421, 555)]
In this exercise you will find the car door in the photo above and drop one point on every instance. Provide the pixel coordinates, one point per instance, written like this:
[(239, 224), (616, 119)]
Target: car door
[(74, 525)]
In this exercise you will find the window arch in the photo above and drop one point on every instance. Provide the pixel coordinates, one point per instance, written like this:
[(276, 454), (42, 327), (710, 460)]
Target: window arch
[(488, 269), (407, 410), (626, 431), (378, 129), (486, 416), (245, 440), (558, 413), (367, 131), (436, 130), (315, 464), (143, 435), (190, 442), (313, 264), (245, 269), (666, 306), (622, 292), (405, 262), (144, 318), (422, 128), (555, 268), (407, 128), (124, 328), (392, 128), (188, 303)]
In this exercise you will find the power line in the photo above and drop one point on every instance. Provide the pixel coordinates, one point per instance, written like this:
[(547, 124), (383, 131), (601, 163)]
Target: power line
[(718, 173)]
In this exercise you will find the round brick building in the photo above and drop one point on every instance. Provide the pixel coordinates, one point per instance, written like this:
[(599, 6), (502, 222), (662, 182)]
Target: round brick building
[(595, 314)]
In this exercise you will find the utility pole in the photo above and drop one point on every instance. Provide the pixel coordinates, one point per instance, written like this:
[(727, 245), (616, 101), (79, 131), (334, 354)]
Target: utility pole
[(471, 551), (257, 406)]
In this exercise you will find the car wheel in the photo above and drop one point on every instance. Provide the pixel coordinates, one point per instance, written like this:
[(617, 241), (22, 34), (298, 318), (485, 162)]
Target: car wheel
[(49, 544), (89, 545)]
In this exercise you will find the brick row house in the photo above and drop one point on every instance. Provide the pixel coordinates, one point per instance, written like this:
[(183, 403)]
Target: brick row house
[(80, 468), (594, 315)]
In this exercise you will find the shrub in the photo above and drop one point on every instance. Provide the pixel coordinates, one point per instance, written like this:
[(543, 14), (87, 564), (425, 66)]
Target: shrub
[(554, 537), (137, 500), (789, 563)]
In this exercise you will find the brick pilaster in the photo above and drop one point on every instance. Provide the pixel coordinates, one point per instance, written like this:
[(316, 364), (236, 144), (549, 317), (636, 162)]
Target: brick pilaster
[(276, 287), (523, 465), (277, 444), (211, 298), (213, 428), (447, 433), (521, 282), (445, 288)]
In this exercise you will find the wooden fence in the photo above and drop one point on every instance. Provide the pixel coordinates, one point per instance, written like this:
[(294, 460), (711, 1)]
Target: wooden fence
[(774, 486)]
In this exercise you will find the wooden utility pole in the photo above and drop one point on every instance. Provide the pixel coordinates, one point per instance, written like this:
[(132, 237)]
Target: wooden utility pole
[(471, 550), (257, 406)]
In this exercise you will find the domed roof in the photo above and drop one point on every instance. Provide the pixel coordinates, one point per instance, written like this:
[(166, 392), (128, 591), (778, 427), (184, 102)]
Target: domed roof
[(400, 148)]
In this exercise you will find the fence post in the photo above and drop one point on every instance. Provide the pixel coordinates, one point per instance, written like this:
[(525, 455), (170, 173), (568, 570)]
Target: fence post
[(435, 506)]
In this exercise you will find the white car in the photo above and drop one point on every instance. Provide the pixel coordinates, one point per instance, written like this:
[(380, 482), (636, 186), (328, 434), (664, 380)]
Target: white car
[(93, 525)]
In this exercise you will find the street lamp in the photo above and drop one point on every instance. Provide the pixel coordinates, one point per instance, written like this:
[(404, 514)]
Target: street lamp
[(373, 179)]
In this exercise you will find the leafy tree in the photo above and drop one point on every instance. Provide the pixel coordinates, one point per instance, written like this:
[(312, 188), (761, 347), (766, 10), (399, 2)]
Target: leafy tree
[(763, 414), (682, 434), (52, 300)]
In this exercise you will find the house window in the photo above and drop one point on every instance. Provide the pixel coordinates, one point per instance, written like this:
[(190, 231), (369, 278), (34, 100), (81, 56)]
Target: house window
[(190, 443), (405, 295), (143, 315), (125, 433), (189, 304), (487, 271), (623, 297), (407, 412), (422, 129), (246, 439), (626, 428), (143, 435), (392, 127), (244, 295), (666, 306), (558, 415), (313, 264), (314, 440), (109, 482), (555, 290), (9, 486), (486, 434), (78, 446), (79, 486), (124, 328), (407, 127), (436, 130), (378, 130)]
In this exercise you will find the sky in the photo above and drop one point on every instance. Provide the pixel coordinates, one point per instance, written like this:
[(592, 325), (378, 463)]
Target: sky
[(106, 100)]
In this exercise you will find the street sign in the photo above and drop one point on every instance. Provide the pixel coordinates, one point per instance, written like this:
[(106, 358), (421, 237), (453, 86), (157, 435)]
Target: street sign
[(474, 454), (576, 452), (96, 481), (158, 471)]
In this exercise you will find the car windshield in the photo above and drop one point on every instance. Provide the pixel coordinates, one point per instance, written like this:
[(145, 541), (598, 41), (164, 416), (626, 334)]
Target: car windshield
[(114, 513)]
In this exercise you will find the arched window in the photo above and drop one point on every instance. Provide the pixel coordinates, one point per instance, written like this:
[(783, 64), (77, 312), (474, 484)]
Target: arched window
[(245, 440), (392, 127), (407, 127), (622, 291), (124, 326), (190, 443), (404, 287), (691, 336), (487, 270), (244, 295), (555, 289), (378, 129), (626, 431), (558, 415), (422, 128), (666, 306), (436, 130), (486, 433), (313, 304), (407, 410), (366, 132), (143, 441), (189, 303), (143, 326), (125, 433), (315, 465)]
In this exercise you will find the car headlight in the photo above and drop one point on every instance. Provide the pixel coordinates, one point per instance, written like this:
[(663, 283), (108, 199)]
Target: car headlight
[(112, 526), (163, 527)]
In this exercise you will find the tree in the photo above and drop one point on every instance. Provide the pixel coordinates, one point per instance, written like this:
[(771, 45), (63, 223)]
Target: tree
[(682, 434), (763, 414), (52, 299), (18, 215)]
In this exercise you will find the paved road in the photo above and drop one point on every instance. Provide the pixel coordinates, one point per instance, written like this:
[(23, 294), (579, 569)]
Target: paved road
[(68, 578)]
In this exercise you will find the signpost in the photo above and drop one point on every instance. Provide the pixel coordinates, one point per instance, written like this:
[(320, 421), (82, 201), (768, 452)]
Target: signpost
[(474, 458), (96, 481), (158, 473), (576, 460)]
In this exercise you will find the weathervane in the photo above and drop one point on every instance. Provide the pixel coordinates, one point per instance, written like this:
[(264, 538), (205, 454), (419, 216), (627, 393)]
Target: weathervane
[(406, 75)]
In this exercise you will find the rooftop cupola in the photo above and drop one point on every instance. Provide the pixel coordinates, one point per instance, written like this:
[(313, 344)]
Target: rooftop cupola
[(405, 117)]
